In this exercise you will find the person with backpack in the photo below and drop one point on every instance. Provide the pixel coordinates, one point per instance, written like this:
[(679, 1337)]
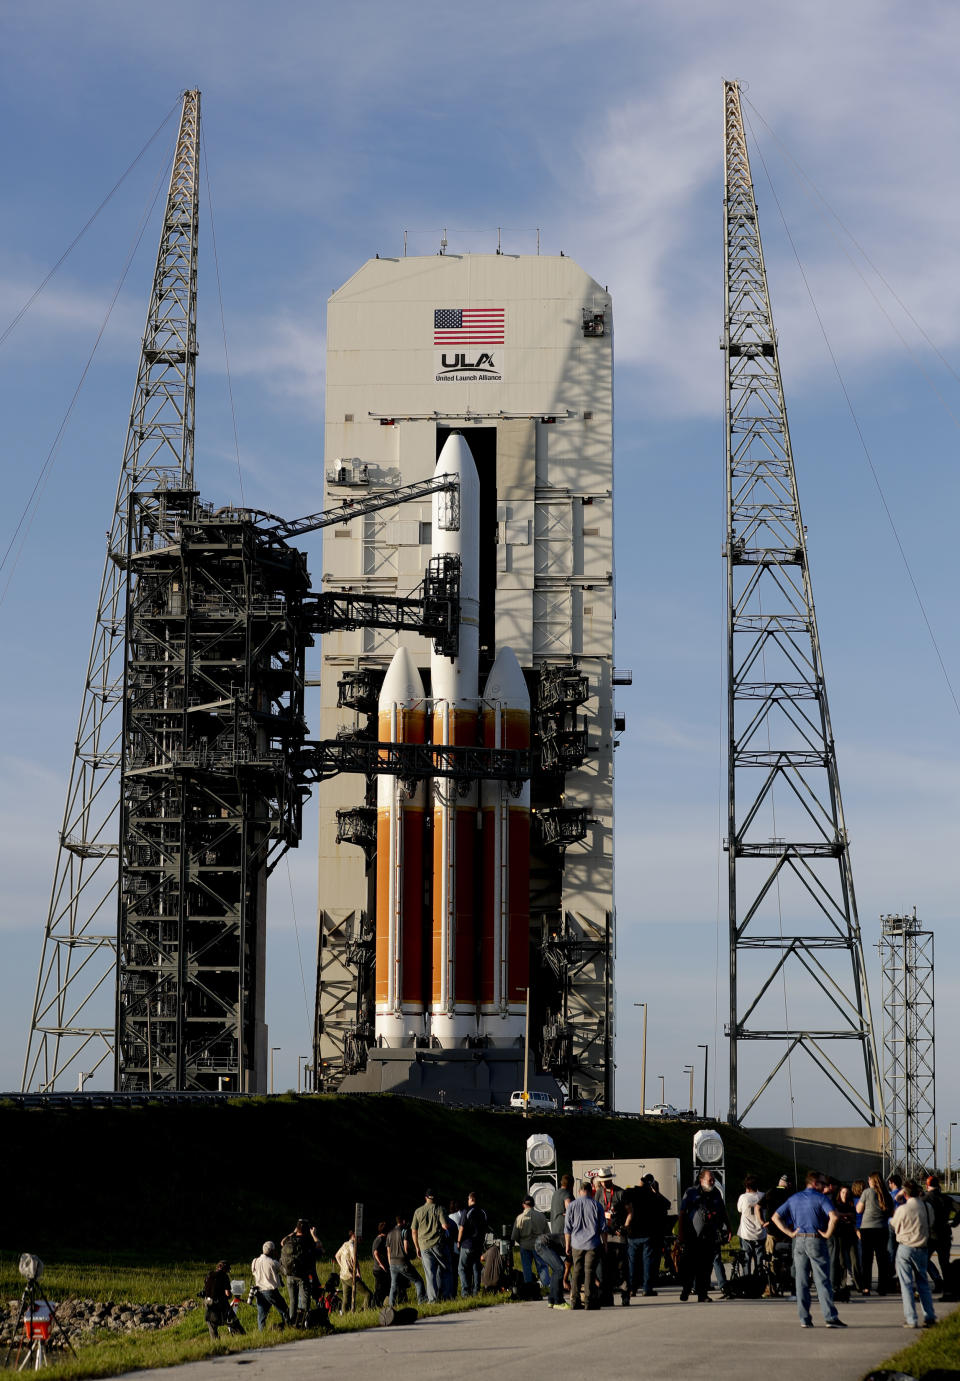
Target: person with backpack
[(471, 1238), (298, 1261), (218, 1302)]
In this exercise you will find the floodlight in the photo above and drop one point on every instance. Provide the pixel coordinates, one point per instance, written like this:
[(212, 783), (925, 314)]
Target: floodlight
[(707, 1148), (541, 1152), (542, 1195), (541, 1170)]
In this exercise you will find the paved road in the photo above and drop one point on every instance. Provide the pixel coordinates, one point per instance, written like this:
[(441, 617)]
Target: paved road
[(660, 1338)]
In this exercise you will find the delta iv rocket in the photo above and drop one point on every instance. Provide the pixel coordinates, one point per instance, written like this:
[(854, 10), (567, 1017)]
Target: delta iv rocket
[(468, 965), (400, 998), (455, 690)]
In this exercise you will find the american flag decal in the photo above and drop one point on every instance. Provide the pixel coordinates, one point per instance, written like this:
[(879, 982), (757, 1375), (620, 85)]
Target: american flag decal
[(468, 326)]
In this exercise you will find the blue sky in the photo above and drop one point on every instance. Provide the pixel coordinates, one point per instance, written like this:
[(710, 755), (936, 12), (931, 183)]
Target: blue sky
[(328, 133)]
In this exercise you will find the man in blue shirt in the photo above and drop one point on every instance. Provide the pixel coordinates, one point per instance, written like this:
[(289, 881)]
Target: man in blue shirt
[(809, 1219), (585, 1230)]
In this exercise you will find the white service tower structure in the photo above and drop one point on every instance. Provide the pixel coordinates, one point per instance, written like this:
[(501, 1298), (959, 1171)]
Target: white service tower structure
[(514, 353)]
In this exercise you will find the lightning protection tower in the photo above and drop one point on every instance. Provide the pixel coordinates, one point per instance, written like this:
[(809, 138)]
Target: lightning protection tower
[(906, 952), (797, 973), (73, 1024)]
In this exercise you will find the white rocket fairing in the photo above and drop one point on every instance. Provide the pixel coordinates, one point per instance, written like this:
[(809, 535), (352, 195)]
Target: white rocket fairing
[(455, 700), (505, 924), (400, 995)]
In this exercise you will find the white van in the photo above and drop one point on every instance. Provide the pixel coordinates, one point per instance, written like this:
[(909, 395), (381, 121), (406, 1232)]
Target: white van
[(536, 1101)]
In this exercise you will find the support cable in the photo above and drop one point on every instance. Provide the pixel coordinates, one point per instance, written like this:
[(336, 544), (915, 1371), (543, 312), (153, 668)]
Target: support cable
[(863, 441), (14, 323), (223, 323), (32, 504), (805, 178)]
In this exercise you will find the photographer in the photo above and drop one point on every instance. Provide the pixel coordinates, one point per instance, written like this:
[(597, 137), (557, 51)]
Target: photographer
[(298, 1260), (268, 1283), (702, 1226), (218, 1302)]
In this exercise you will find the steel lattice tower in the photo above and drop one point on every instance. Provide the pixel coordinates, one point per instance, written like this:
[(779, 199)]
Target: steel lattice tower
[(906, 951), (73, 1022), (797, 973)]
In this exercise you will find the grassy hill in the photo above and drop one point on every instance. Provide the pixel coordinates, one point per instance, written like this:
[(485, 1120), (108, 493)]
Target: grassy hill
[(200, 1181)]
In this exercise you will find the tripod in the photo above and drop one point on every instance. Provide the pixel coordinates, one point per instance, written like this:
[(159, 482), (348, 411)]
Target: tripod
[(40, 1322)]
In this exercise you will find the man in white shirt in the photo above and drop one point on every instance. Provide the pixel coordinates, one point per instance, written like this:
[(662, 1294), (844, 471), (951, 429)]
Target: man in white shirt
[(911, 1223), (351, 1281), (268, 1280), (751, 1232)]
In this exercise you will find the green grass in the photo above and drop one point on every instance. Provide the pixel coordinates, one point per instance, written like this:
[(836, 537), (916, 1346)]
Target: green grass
[(110, 1279), (110, 1354), (936, 1350)]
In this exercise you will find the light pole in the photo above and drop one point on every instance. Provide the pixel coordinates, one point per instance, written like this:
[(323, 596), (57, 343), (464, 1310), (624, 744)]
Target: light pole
[(688, 1069), (950, 1127), (706, 1061), (526, 1057), (273, 1051), (643, 1059), (301, 1061), (663, 1096)]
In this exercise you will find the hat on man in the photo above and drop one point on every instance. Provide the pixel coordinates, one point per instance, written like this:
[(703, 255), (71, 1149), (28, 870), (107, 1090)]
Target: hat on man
[(428, 1193), (648, 1179), (605, 1172), (784, 1181)]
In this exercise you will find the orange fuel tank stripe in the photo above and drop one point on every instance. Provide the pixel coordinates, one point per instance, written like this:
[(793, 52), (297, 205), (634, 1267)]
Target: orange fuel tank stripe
[(454, 826), (518, 948)]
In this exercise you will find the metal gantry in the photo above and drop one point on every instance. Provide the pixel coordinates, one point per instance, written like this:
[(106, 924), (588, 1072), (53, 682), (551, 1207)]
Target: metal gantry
[(72, 1028), (906, 952), (797, 974)]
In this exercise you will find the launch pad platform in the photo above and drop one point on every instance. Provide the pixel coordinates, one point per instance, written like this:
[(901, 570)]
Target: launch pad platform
[(478, 1077)]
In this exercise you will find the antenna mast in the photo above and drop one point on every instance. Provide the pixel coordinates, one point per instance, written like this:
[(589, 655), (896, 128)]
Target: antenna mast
[(797, 974), (73, 1027)]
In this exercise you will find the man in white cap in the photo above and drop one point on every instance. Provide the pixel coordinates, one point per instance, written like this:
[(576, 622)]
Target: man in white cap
[(268, 1282), (613, 1274)]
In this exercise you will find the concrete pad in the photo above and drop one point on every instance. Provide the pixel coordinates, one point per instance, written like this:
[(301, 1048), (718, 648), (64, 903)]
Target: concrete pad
[(660, 1338)]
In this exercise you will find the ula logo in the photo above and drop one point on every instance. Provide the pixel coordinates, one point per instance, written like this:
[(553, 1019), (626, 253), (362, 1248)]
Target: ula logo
[(483, 363)]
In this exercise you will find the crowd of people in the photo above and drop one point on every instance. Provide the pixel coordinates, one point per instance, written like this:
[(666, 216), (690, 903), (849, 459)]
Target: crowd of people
[(603, 1242)]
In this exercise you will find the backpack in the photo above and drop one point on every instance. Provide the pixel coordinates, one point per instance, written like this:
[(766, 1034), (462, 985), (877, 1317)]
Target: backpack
[(288, 1256)]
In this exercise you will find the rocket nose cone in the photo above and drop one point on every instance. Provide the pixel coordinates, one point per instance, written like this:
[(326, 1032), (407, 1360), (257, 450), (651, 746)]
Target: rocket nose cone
[(456, 458), (506, 681), (402, 684)]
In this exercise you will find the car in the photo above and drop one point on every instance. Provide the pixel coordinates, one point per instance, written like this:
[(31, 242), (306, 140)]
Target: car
[(662, 1110), (536, 1101), (582, 1105)]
